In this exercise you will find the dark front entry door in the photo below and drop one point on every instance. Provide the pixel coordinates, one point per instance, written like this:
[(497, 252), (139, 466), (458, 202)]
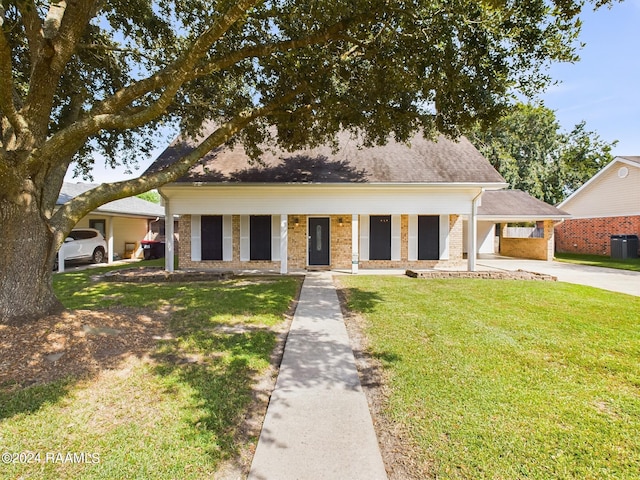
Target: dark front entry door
[(318, 241)]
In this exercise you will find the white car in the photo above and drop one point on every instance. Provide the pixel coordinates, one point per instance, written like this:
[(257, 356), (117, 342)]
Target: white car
[(84, 244)]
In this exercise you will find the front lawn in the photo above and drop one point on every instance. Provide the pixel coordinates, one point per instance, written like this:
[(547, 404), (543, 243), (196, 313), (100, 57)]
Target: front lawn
[(508, 379), (632, 264), (146, 381)]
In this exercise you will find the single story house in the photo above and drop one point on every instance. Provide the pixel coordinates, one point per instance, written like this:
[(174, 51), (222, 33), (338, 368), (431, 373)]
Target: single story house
[(123, 223), (608, 204), (351, 207)]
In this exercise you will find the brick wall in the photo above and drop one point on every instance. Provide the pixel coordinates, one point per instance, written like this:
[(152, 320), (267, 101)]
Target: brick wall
[(340, 247), (235, 263), (455, 249), (534, 248), (593, 235), (297, 242)]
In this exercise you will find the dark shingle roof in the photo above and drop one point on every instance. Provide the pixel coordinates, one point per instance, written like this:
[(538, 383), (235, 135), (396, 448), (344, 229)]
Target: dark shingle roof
[(516, 203), (423, 161), (131, 206)]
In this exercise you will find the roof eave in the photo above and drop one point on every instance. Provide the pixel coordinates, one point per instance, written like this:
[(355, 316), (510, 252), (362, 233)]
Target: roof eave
[(449, 185), (521, 218), (126, 214)]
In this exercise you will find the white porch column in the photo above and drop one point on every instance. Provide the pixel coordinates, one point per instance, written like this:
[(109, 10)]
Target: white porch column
[(284, 244), (169, 245), (473, 232), (61, 258), (110, 240), (355, 242)]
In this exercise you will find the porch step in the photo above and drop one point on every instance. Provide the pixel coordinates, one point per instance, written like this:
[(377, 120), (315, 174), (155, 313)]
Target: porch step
[(318, 268)]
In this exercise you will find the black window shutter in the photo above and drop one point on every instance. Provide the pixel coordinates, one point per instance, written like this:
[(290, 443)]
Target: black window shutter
[(260, 237)]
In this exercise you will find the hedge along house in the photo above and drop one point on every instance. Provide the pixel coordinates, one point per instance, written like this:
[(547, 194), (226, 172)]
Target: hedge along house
[(392, 206)]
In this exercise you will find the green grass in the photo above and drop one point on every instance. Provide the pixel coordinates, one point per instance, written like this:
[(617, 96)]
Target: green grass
[(509, 379), (632, 264), (159, 419)]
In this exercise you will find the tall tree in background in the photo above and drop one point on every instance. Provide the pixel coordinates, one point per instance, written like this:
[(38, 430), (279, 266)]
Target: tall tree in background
[(533, 154), (86, 77)]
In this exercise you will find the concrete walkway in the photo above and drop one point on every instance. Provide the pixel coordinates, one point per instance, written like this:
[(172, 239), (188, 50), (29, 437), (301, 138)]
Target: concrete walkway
[(318, 424), (623, 281)]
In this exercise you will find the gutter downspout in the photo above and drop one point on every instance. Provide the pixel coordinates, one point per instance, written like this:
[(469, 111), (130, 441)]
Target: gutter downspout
[(473, 232), (168, 234)]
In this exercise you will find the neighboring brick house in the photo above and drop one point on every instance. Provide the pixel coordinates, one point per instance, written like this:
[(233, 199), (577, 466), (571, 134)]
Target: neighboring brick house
[(392, 206), (608, 204)]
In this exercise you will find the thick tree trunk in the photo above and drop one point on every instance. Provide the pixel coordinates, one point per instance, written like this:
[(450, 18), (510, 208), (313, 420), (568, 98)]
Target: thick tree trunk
[(27, 252)]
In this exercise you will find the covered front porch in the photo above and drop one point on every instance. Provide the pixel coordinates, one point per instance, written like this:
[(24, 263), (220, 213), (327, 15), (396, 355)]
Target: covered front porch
[(296, 242), (288, 228)]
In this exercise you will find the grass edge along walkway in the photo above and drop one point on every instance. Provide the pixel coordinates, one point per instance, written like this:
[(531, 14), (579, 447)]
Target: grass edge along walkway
[(176, 414), (508, 379)]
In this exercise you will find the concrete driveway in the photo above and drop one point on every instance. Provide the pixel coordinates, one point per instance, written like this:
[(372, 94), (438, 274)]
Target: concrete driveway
[(623, 281)]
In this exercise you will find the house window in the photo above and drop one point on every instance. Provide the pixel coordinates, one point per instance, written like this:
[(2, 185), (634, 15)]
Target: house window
[(211, 237), (428, 237), (158, 227), (100, 225), (380, 237), (260, 237)]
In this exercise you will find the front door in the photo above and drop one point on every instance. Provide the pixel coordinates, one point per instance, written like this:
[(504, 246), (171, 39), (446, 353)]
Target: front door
[(318, 241)]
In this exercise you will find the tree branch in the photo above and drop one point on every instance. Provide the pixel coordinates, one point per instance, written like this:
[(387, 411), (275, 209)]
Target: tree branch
[(183, 67), (138, 116), (68, 140), (7, 107), (54, 19), (32, 25), (334, 32), (71, 212)]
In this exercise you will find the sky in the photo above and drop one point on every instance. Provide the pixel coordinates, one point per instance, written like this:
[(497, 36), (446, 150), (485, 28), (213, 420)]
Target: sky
[(602, 88)]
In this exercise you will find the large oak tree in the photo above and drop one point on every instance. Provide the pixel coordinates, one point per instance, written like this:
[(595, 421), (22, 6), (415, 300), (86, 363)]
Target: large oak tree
[(86, 79), (528, 147)]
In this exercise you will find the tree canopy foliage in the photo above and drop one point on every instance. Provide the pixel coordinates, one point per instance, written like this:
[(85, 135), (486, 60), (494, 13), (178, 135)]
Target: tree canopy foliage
[(86, 77), (531, 151)]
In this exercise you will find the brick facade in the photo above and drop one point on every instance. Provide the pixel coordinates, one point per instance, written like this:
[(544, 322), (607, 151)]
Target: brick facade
[(533, 248), (340, 256), (456, 258), (593, 235)]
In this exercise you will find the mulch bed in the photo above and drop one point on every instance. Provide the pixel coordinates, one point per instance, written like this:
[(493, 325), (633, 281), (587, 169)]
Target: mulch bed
[(158, 274), (75, 343), (494, 275)]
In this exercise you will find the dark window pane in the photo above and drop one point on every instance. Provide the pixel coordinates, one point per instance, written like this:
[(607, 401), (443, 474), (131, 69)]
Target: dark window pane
[(99, 225), (428, 237), (260, 237), (380, 237), (211, 237)]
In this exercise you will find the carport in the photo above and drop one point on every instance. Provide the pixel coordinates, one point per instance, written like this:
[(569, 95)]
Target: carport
[(515, 224)]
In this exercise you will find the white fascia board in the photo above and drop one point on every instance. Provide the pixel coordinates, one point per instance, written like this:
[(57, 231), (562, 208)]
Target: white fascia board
[(521, 218), (167, 188), (106, 213), (323, 199), (587, 217)]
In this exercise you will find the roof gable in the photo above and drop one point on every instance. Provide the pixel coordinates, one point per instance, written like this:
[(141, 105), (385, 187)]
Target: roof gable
[(421, 161), (614, 190), (130, 206)]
